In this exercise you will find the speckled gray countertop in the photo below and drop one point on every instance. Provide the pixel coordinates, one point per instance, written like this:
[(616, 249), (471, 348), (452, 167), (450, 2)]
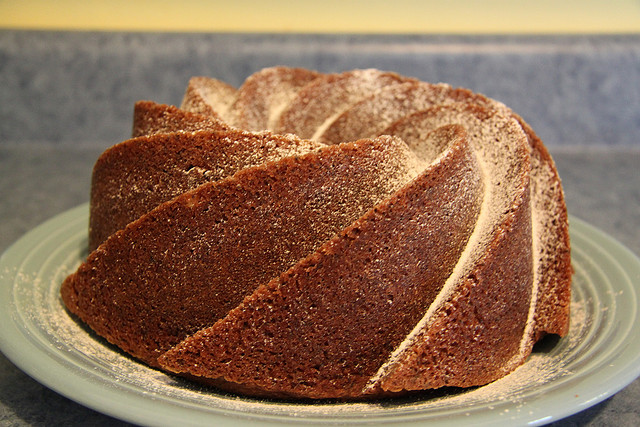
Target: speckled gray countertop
[(65, 97)]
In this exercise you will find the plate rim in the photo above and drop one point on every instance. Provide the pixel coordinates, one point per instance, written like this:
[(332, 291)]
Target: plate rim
[(107, 400)]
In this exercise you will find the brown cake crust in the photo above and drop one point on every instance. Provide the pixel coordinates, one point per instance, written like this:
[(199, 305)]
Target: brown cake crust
[(206, 249), (150, 118), (135, 176), (281, 337)]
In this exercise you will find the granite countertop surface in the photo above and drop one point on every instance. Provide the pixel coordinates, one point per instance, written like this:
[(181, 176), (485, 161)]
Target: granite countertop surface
[(61, 101)]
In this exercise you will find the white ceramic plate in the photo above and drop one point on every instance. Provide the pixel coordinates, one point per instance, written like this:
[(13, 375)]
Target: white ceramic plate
[(600, 355)]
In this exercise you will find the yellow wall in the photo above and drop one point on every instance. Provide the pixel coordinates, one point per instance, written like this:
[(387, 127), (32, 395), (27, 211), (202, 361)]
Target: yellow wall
[(353, 16)]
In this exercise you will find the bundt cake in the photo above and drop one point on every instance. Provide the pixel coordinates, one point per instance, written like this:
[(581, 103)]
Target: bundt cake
[(351, 235)]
